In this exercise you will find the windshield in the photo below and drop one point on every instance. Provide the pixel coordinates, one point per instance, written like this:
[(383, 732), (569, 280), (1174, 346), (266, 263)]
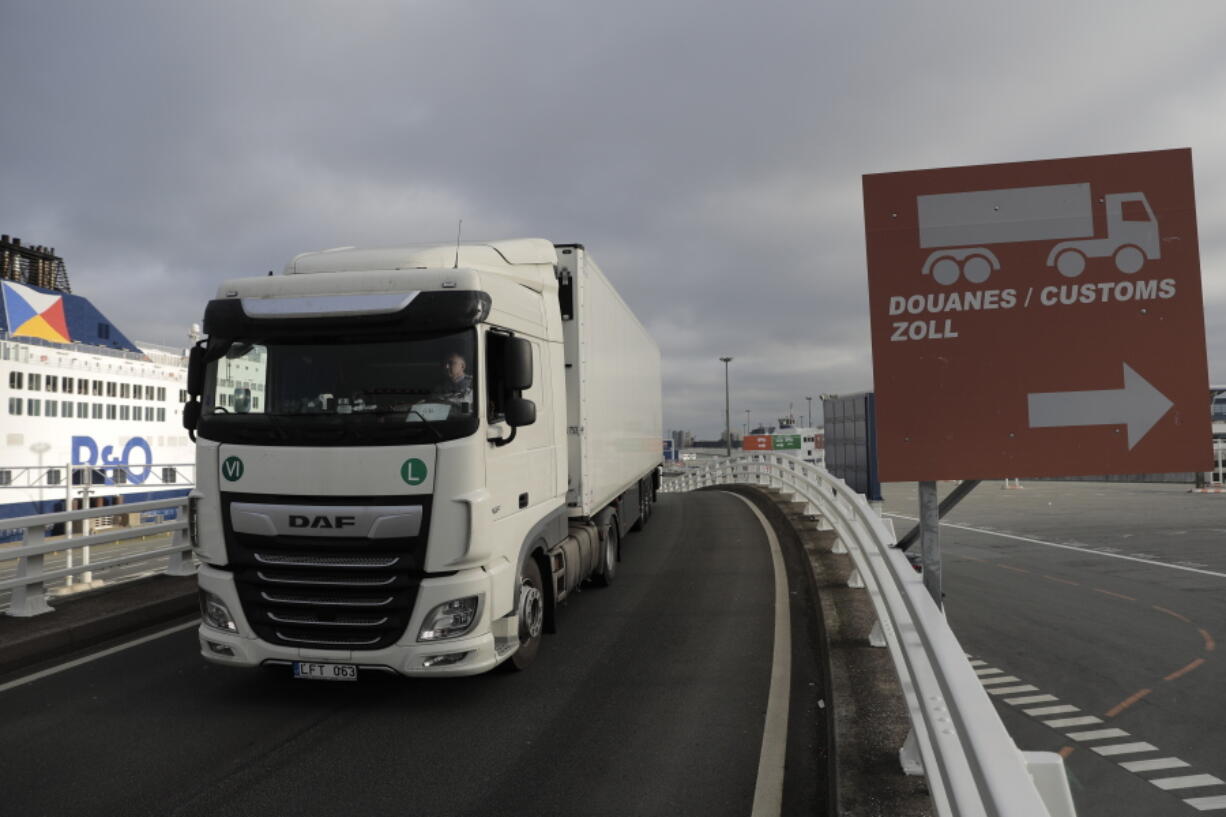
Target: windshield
[(352, 390)]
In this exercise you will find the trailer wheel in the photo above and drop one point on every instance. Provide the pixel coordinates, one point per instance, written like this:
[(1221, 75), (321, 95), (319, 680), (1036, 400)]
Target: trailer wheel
[(609, 553), (531, 615), (945, 271), (977, 269), (1071, 263), (1129, 259)]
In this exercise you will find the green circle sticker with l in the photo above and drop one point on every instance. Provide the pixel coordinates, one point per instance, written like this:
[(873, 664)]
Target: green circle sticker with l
[(232, 469), (413, 471)]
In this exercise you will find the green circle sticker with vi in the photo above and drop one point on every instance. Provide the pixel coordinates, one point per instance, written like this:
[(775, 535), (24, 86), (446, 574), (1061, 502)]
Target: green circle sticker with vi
[(413, 471), (232, 469)]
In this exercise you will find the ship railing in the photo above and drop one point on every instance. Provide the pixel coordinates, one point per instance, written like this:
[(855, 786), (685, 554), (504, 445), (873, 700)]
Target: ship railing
[(957, 740), (27, 350), (69, 481)]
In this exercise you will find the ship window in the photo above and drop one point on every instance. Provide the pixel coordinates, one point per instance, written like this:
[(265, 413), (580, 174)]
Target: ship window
[(53, 408), (125, 413), (161, 415), (15, 379), (110, 411), (149, 413), (182, 395), (95, 411), (53, 383), (111, 388), (162, 393), (136, 390), (82, 410), (104, 331), (14, 405), (66, 405), (125, 390), (149, 392), (34, 407), (170, 475), (67, 385), (36, 382), (136, 413), (54, 475), (97, 388), (6, 477), (82, 386), (121, 475)]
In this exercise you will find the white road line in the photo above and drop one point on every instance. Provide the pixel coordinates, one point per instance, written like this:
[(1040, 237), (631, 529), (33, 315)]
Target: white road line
[(1078, 548), (1100, 734), (1004, 679), (1013, 690), (768, 792), (1154, 765), (1031, 699), (26, 679), (988, 671), (1188, 782), (1062, 723), (1052, 710), (1207, 803), (1125, 748), (977, 663)]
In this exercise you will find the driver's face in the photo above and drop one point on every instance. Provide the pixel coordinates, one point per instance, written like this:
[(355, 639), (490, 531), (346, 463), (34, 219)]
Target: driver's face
[(454, 366)]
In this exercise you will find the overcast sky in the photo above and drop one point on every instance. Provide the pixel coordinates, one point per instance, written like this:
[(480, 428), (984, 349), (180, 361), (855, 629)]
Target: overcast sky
[(708, 153)]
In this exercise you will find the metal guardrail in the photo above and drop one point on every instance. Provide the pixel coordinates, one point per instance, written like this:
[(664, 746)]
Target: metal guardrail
[(972, 765), (29, 585)]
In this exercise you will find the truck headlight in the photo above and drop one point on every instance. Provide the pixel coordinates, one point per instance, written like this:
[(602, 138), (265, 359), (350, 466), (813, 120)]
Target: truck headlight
[(213, 612), (450, 619)]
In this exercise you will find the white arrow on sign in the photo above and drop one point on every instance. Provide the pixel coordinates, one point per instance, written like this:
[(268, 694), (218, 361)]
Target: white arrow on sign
[(1138, 405)]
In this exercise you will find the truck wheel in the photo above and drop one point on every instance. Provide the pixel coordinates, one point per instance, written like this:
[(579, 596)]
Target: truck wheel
[(608, 561), (531, 615), (1129, 259), (945, 271), (977, 269), (1070, 263)]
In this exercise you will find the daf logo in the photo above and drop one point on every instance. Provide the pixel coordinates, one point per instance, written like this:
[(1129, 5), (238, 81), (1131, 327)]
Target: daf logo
[(331, 522)]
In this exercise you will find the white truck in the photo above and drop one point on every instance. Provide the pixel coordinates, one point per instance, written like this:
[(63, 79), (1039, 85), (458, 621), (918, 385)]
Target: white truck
[(408, 458), (959, 225)]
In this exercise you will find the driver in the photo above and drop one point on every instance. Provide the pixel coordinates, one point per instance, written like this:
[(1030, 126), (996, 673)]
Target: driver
[(456, 387)]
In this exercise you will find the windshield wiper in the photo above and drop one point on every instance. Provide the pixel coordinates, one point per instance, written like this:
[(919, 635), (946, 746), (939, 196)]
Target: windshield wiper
[(437, 435)]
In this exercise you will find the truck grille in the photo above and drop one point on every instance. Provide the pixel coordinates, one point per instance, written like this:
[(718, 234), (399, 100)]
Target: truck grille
[(327, 592)]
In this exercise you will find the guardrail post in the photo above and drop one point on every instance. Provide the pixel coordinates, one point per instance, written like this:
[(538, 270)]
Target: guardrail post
[(30, 597), (181, 562)]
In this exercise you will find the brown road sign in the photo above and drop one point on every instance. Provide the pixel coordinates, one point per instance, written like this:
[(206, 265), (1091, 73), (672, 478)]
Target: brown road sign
[(1038, 319)]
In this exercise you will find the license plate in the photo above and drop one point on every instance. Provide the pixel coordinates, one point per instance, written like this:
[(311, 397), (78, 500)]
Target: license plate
[(325, 672)]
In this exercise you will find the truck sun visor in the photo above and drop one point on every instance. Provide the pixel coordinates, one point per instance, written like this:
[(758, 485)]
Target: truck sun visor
[(324, 305), (428, 311)]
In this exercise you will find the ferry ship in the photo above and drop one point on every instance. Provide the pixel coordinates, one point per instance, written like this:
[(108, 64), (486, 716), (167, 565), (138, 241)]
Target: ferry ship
[(88, 418)]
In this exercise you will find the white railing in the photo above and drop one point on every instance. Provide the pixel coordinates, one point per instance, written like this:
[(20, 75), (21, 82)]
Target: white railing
[(29, 585), (972, 765)]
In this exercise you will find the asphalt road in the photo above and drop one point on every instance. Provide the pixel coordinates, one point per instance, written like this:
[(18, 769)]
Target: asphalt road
[(1093, 611), (649, 700)]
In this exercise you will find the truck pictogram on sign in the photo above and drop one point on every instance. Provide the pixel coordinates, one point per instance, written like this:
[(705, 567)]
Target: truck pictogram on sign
[(961, 225)]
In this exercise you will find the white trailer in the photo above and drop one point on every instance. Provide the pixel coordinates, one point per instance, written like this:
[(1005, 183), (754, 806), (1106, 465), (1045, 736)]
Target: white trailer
[(361, 508), (960, 226)]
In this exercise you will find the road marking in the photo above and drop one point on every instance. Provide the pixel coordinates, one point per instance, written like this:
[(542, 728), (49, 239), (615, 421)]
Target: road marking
[(1125, 748), (1154, 765), (1062, 581), (1188, 782), (1078, 548), (988, 671), (1098, 734), (1180, 672), (1014, 569), (1052, 710), (1003, 679), (1207, 803), (1031, 699), (768, 792), (85, 659), (1013, 690), (1064, 723), (1109, 593), (1184, 619), (1209, 643), (1127, 702)]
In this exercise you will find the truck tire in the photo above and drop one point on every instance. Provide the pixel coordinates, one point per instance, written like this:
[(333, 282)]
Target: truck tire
[(1129, 259), (610, 550), (531, 616), (1070, 263)]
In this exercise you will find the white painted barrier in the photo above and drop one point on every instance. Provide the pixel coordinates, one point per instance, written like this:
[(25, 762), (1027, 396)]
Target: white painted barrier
[(29, 584), (972, 765)]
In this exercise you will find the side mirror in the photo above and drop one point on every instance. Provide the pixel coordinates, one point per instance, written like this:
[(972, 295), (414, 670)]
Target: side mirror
[(517, 366), (191, 415), (520, 412), (195, 370)]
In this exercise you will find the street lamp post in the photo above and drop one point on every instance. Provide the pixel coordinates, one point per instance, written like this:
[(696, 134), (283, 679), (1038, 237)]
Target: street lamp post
[(810, 399), (727, 410), (746, 422)]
